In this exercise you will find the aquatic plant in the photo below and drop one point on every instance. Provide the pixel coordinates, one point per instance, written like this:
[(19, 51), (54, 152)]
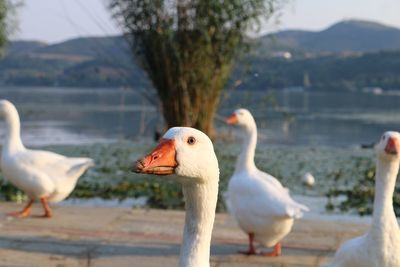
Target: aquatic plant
[(360, 196), (344, 173)]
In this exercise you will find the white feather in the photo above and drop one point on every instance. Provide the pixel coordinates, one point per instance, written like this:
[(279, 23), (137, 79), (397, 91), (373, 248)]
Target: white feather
[(380, 246), (257, 200), (37, 173)]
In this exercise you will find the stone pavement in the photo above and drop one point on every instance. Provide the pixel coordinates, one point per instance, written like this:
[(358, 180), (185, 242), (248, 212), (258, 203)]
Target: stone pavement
[(118, 237)]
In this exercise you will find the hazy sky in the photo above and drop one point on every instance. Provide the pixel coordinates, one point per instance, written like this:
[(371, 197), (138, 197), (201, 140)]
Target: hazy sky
[(57, 20)]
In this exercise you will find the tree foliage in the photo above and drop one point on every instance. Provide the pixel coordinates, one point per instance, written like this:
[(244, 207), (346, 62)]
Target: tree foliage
[(3, 24), (8, 22), (188, 49)]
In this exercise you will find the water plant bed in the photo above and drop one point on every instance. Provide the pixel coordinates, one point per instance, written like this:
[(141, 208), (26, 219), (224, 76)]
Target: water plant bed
[(338, 171)]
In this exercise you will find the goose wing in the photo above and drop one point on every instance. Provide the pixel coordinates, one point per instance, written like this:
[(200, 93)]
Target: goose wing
[(262, 198), (53, 164), (272, 180)]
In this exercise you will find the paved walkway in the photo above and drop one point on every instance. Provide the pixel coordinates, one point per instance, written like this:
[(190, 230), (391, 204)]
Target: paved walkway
[(117, 237)]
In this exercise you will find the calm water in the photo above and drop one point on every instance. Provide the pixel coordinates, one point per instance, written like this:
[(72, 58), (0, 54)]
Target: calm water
[(76, 116)]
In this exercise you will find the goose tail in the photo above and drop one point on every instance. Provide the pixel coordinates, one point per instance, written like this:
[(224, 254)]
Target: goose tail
[(296, 210), (79, 168)]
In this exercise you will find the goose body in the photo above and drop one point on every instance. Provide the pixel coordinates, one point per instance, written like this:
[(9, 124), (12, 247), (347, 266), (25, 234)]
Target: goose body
[(262, 207), (42, 175), (189, 153), (380, 246)]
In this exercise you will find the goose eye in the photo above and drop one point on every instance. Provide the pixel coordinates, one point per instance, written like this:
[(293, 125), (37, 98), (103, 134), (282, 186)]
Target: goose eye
[(191, 140), (383, 137)]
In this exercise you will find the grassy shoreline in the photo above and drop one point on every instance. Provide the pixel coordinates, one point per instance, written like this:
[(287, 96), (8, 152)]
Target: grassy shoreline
[(333, 168)]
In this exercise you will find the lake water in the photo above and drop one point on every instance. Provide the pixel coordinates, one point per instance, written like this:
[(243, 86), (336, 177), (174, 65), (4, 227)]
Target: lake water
[(76, 116)]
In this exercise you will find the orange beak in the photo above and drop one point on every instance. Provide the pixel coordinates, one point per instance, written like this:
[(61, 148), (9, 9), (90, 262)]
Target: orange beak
[(232, 119), (160, 161), (392, 146)]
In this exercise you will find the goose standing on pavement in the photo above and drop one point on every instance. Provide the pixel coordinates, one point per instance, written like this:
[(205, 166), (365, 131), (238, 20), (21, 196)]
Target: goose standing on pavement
[(262, 207), (189, 153), (380, 246), (44, 176)]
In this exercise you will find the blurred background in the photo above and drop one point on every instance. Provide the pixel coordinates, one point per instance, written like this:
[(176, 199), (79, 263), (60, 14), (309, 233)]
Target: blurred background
[(322, 80)]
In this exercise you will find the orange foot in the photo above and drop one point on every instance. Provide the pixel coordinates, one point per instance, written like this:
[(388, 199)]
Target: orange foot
[(47, 211), (19, 214), (23, 213), (276, 252), (46, 215)]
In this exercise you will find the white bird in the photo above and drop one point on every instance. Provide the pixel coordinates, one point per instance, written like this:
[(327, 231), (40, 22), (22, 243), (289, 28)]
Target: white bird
[(189, 153), (308, 180), (262, 207), (44, 176), (380, 246)]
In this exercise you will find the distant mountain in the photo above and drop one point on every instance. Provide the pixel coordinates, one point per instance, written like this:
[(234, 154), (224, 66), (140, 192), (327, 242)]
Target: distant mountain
[(345, 36), (324, 73), (345, 55), (18, 47), (85, 48), (89, 46), (90, 61)]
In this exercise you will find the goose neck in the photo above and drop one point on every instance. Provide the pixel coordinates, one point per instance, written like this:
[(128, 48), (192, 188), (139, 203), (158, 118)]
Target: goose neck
[(385, 181), (12, 141), (246, 157), (200, 202)]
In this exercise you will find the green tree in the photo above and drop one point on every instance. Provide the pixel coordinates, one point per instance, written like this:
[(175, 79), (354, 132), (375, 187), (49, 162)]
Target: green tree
[(188, 49), (3, 24), (8, 22)]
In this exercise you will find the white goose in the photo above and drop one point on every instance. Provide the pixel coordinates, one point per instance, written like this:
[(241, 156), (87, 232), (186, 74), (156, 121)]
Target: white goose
[(380, 246), (190, 154), (262, 207), (42, 175)]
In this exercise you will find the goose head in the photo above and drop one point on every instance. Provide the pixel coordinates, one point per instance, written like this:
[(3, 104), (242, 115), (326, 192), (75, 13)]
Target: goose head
[(241, 117), (7, 109), (184, 151), (388, 147), (6, 106)]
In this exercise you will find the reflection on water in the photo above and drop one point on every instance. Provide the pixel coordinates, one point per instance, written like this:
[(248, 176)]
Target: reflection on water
[(75, 116), (322, 118)]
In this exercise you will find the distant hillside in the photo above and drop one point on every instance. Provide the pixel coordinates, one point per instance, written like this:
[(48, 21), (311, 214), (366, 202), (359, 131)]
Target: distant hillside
[(347, 55), (89, 46), (350, 35), (91, 61), (18, 47), (333, 72)]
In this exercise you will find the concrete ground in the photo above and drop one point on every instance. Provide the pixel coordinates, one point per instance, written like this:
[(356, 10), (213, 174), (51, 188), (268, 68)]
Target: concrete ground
[(118, 237)]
